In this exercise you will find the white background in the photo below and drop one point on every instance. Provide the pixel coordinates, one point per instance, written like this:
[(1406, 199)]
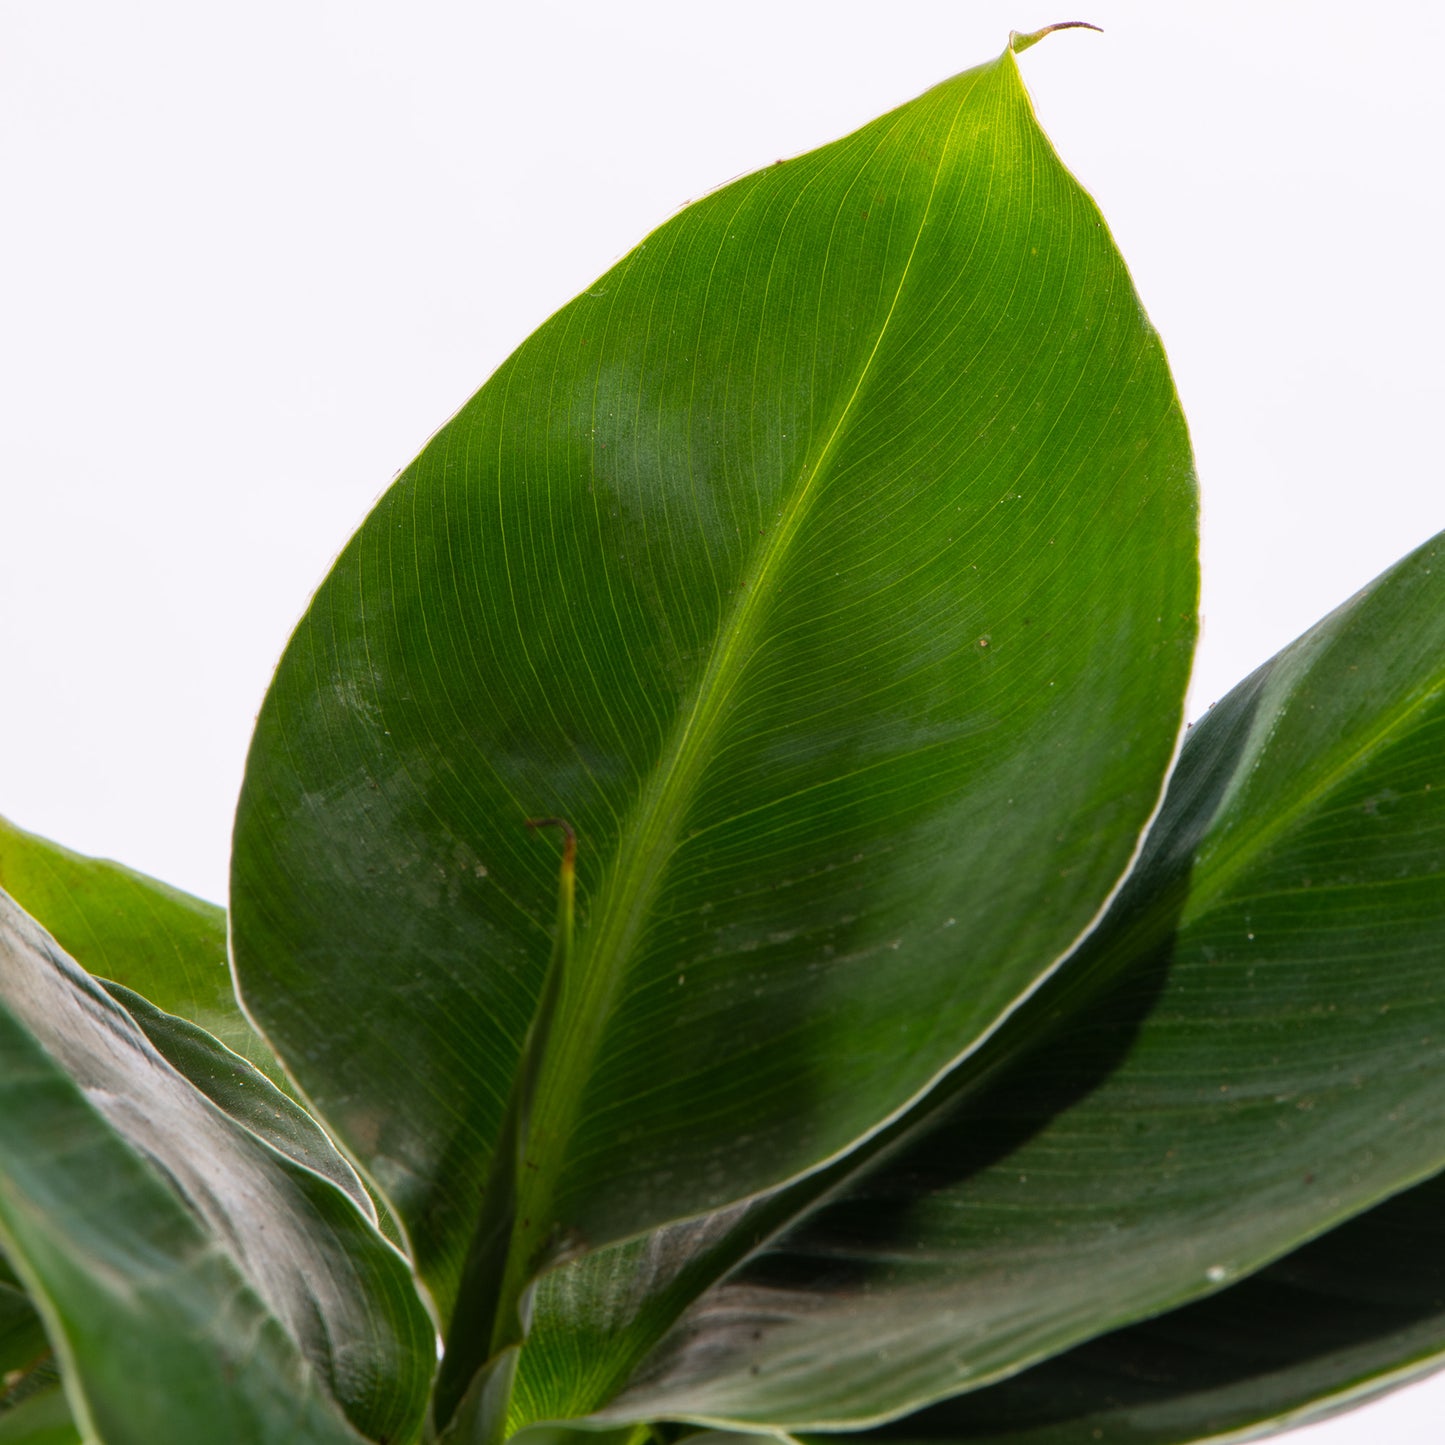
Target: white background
[(254, 254)]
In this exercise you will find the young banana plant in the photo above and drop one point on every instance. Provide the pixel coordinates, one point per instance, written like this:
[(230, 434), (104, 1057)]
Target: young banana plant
[(725, 935)]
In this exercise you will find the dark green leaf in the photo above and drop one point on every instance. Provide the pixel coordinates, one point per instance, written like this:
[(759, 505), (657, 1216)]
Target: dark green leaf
[(1249, 1050), (597, 1319), (118, 924), (564, 1435), (1356, 1312), (22, 1335), (27, 1364), (829, 564), (197, 1282)]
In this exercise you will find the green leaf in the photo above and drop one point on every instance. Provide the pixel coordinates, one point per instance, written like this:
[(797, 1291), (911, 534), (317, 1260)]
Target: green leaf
[(478, 1372), (197, 1282), (120, 924), (22, 1335), (27, 1368), (626, 1435), (242, 1092), (1248, 1051), (829, 565), (41, 1418), (597, 1319), (1350, 1315)]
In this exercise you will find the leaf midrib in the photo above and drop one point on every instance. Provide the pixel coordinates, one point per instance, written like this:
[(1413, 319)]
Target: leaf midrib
[(648, 839)]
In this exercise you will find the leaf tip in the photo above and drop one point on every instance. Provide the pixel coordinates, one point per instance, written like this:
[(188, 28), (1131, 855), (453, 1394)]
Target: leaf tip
[(1019, 41)]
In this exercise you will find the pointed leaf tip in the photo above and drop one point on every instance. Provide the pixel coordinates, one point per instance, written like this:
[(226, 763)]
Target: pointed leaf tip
[(1018, 41)]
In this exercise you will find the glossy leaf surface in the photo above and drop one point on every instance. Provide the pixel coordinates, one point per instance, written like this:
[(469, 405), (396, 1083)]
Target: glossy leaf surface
[(197, 1282), (829, 564), (243, 1093), (1358, 1311), (1249, 1050), (167, 945)]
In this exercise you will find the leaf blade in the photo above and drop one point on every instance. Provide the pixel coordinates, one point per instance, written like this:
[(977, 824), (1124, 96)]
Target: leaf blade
[(195, 1282), (1222, 1072), (243, 1093), (22, 1336), (1348, 1317), (168, 946), (608, 591)]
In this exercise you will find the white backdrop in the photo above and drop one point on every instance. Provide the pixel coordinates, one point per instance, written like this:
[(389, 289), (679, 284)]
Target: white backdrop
[(254, 254)]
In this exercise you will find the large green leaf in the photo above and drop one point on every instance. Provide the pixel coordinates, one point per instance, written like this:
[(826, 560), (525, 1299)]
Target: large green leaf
[(1250, 1049), (119, 924), (1356, 1312), (829, 564), (200, 1280)]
